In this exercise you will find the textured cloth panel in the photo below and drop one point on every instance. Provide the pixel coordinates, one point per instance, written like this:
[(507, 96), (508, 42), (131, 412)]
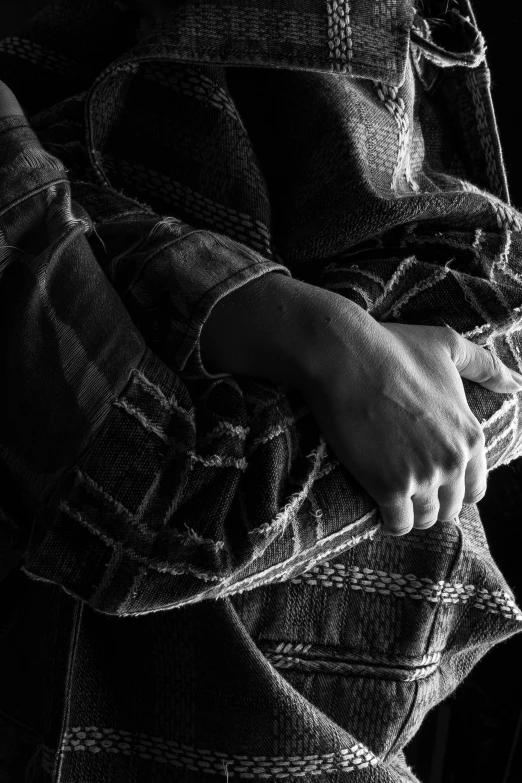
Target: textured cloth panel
[(210, 588)]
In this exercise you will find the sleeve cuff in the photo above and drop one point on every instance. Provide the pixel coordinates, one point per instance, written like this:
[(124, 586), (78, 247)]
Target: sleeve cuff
[(193, 367), (25, 166), (171, 278)]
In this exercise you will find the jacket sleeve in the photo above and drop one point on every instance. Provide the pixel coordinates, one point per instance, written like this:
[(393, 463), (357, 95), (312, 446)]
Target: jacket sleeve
[(187, 486)]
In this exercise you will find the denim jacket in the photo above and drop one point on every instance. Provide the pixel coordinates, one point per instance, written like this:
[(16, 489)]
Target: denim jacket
[(197, 586)]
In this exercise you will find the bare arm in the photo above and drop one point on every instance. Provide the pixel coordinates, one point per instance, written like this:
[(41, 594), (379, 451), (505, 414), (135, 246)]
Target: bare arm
[(388, 397)]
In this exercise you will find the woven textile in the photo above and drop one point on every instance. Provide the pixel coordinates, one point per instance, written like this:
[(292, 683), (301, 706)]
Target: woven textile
[(351, 145)]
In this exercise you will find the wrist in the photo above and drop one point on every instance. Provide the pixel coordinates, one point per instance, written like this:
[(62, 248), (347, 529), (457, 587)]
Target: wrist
[(274, 328)]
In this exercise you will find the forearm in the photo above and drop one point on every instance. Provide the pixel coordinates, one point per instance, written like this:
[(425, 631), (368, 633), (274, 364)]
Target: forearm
[(271, 328)]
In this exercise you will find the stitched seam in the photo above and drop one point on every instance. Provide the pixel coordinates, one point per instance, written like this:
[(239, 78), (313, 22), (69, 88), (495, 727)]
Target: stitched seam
[(395, 308), (149, 534), (95, 740), (161, 566), (37, 54), (506, 217), (283, 572), (341, 667), (145, 423), (297, 499), (27, 196), (218, 461), (411, 586), (277, 429), (191, 83), (483, 130), (225, 428), (157, 393), (376, 658), (340, 42), (227, 220), (397, 108)]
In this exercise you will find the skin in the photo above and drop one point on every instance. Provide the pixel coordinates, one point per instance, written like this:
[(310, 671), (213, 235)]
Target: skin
[(387, 397)]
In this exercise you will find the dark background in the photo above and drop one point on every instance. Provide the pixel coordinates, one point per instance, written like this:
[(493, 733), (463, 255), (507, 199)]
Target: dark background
[(475, 736)]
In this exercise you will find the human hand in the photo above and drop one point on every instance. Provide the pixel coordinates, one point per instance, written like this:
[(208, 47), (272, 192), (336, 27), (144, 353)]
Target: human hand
[(390, 402), (387, 397)]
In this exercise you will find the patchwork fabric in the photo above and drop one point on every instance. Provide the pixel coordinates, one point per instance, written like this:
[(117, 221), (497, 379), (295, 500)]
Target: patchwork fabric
[(211, 586)]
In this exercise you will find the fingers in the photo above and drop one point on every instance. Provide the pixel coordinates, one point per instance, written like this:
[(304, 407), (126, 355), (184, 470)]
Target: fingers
[(421, 510), (482, 366), (397, 516), (440, 502), (476, 477), (426, 509), (451, 500)]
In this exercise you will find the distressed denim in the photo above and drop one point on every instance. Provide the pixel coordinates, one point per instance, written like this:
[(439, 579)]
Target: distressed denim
[(203, 589)]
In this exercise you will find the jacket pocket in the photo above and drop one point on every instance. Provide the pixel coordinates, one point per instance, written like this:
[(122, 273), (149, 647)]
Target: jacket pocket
[(374, 697)]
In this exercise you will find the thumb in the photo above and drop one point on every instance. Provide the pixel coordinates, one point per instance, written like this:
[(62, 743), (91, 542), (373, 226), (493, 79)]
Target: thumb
[(484, 367), (8, 102)]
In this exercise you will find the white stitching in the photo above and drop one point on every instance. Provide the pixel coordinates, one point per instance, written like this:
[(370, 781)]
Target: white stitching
[(156, 392), (408, 585), (145, 423), (39, 55), (161, 567), (109, 740), (218, 461), (340, 36), (483, 130), (228, 221), (397, 108), (343, 667), (297, 499)]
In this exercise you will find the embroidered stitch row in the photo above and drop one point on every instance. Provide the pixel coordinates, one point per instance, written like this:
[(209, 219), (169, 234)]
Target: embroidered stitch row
[(160, 566), (397, 108), (411, 586), (266, 529), (340, 35), (241, 220), (217, 460), (316, 649), (507, 218), (150, 534), (167, 404), (282, 572), (285, 572), (483, 129), (38, 55), (432, 280), (95, 740), (198, 86), (236, 224), (346, 668), (191, 83)]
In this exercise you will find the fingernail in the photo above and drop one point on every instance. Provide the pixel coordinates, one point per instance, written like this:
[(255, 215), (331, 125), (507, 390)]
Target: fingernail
[(513, 386), (516, 376)]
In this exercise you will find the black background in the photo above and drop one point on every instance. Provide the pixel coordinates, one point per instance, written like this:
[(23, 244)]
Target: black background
[(475, 736)]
